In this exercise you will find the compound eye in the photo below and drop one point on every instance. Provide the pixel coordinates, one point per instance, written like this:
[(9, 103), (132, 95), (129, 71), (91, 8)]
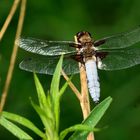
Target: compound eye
[(89, 34), (79, 34)]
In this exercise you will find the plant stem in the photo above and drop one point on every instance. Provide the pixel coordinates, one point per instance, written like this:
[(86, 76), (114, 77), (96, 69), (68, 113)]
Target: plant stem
[(85, 105), (72, 86), (13, 56), (9, 18), (84, 102)]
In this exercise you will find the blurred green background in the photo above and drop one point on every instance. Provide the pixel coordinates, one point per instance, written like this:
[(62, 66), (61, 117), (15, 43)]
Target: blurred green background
[(61, 20)]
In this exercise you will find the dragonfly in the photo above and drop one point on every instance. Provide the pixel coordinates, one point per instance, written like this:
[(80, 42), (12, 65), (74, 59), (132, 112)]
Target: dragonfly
[(115, 52)]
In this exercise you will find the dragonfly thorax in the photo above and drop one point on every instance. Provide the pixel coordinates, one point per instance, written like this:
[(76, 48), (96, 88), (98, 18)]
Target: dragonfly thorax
[(87, 48), (88, 52)]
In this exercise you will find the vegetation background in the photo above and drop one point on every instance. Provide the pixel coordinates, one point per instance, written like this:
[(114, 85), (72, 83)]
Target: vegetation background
[(61, 20)]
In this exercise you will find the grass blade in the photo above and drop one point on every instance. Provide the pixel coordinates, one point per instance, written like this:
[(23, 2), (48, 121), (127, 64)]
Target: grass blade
[(93, 118), (23, 121), (40, 92), (79, 127), (54, 92), (56, 79), (15, 130), (45, 120)]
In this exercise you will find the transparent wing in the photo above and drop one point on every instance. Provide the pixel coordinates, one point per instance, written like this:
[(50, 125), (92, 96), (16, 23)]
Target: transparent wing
[(47, 65), (122, 40), (119, 59), (48, 48)]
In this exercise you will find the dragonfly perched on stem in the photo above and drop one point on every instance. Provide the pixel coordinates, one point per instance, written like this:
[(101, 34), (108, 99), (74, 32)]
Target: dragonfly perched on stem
[(110, 53)]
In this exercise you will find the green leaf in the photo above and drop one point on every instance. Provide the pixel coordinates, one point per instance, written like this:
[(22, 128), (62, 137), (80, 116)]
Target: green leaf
[(54, 91), (93, 118), (56, 79), (23, 121), (40, 92), (44, 101), (79, 127), (48, 123), (15, 130), (45, 120)]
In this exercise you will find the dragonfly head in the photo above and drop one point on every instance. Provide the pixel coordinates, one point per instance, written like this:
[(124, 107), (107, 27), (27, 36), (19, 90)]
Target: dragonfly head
[(83, 37)]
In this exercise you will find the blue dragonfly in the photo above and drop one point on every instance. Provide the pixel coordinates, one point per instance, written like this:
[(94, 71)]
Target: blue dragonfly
[(115, 52)]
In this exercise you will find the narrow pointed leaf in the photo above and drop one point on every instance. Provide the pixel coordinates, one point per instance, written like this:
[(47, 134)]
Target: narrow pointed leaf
[(56, 79), (40, 92), (48, 122), (15, 130), (54, 91), (93, 118), (45, 120), (44, 101), (79, 127), (23, 121)]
